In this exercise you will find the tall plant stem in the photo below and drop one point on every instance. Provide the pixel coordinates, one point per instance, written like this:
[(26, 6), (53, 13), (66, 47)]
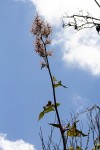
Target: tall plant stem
[(54, 96)]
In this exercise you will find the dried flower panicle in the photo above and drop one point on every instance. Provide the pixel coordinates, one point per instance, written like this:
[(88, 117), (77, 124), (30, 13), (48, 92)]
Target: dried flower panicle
[(47, 41), (39, 47), (42, 31), (41, 27), (46, 30), (37, 25)]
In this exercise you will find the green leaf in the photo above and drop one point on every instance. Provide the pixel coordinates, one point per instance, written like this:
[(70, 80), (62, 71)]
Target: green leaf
[(57, 104), (71, 148), (78, 148), (55, 125), (97, 147), (59, 84), (49, 109), (46, 110), (41, 115), (83, 134), (74, 132)]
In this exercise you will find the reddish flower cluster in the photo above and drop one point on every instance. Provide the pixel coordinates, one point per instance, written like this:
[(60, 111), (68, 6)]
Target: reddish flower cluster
[(42, 30), (41, 27), (39, 47)]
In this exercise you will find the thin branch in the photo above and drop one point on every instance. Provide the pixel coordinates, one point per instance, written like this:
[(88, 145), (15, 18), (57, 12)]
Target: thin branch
[(97, 3), (80, 21), (42, 140)]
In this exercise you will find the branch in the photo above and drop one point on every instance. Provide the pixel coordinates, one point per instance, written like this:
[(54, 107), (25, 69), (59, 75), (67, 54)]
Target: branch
[(80, 21), (97, 3)]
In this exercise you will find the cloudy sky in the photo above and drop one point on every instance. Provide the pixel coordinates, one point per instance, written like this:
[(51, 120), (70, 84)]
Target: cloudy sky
[(24, 88)]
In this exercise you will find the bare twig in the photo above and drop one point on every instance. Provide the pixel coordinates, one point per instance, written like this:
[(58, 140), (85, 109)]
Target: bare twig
[(80, 21), (97, 3), (42, 139)]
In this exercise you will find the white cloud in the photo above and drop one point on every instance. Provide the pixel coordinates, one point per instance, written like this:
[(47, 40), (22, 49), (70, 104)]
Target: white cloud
[(54, 9), (6, 144), (81, 49)]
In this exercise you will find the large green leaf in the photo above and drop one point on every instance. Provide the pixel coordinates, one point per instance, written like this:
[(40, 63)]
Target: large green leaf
[(46, 110), (41, 115), (49, 109)]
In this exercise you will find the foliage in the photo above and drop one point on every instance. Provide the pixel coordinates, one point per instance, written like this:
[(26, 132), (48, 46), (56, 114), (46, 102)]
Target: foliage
[(48, 108)]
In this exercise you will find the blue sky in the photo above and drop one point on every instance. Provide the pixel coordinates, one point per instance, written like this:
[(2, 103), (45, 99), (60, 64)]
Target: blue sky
[(24, 88)]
